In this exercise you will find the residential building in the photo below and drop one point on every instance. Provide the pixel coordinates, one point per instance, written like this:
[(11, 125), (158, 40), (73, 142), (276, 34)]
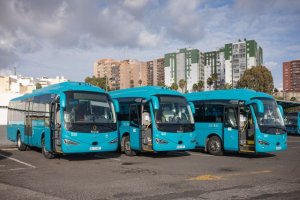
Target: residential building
[(186, 64), (155, 72), (291, 76), (240, 56), (121, 74)]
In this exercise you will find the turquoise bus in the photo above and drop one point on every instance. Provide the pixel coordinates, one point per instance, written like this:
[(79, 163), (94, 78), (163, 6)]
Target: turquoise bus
[(292, 123), (154, 119), (238, 120), (69, 117)]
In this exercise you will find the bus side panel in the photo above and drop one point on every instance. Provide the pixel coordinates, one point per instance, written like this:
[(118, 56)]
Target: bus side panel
[(38, 127), (47, 139), (123, 128), (231, 139), (203, 130)]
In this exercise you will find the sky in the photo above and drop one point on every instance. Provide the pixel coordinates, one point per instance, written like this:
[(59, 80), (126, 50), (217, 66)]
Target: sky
[(65, 38)]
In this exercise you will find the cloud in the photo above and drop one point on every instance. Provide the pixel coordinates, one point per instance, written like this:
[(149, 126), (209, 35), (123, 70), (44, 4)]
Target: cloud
[(142, 28)]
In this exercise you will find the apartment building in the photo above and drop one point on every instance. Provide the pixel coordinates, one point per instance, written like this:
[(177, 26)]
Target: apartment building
[(155, 72), (291, 76), (186, 64)]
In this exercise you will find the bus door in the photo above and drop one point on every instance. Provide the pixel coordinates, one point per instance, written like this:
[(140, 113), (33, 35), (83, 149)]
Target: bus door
[(231, 128), (28, 122), (135, 128), (247, 130), (147, 135), (55, 133)]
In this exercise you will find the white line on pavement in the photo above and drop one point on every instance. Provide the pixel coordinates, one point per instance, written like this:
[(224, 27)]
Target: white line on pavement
[(14, 169), (18, 161), (9, 149), (116, 159)]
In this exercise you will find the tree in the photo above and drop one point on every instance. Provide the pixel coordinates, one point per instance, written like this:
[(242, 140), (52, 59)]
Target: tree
[(174, 86), (140, 82), (200, 85), (161, 84), (257, 78), (182, 84), (195, 87), (293, 99), (209, 82), (99, 82), (276, 90), (38, 86), (132, 83), (214, 78)]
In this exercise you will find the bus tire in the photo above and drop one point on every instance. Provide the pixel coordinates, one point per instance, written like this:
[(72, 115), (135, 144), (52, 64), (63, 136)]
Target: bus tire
[(46, 153), (20, 144), (127, 148), (214, 146)]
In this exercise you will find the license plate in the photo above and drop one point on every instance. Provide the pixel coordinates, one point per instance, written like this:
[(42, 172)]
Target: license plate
[(278, 148), (180, 146), (95, 148)]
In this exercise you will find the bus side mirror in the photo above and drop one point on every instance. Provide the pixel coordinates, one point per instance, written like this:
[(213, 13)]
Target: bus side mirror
[(281, 110), (192, 106), (155, 102), (258, 103), (116, 105)]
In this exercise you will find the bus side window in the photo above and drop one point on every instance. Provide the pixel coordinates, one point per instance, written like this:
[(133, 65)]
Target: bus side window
[(230, 118), (134, 115)]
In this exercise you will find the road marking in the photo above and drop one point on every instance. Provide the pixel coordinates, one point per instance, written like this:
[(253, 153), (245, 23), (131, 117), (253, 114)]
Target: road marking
[(209, 177), (9, 149), (18, 161), (14, 169), (198, 154), (116, 159)]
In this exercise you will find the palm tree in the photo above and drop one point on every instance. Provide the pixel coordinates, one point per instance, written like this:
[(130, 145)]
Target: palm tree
[(200, 85), (214, 78), (195, 87), (140, 82), (182, 84), (132, 83), (174, 86), (209, 82)]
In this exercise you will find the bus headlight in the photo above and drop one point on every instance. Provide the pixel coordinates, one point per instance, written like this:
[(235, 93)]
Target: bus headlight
[(263, 142), (161, 141), (114, 141), (66, 141)]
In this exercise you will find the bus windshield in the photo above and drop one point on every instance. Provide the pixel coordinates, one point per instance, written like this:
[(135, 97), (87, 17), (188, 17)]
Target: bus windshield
[(271, 120), (292, 119), (88, 107), (173, 110)]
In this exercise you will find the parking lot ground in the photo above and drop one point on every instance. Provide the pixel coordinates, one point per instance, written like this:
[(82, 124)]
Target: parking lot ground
[(176, 175)]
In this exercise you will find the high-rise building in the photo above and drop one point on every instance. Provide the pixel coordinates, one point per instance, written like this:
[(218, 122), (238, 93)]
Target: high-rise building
[(291, 76), (240, 56), (121, 74), (186, 64), (155, 72), (214, 64)]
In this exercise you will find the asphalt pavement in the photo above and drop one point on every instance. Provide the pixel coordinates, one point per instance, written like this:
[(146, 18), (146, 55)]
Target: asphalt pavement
[(177, 175)]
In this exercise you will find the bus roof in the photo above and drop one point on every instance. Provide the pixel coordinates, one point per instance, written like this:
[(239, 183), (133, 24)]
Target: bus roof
[(61, 87), (143, 92), (234, 94)]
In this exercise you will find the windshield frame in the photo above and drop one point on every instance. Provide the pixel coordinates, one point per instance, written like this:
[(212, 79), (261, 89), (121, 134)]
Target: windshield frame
[(188, 112), (88, 124), (274, 112)]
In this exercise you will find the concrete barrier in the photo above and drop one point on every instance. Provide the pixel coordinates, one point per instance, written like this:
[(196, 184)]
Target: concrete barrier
[(3, 137)]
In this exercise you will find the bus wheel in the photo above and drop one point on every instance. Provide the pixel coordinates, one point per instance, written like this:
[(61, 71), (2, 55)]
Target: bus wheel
[(214, 146), (46, 153), (127, 148), (20, 144)]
